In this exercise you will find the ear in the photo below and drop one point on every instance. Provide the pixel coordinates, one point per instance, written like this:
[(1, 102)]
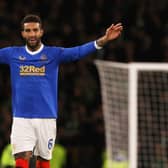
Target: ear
[(22, 33), (42, 32)]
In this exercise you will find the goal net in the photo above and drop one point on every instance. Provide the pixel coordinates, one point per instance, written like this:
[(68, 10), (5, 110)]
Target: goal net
[(135, 107)]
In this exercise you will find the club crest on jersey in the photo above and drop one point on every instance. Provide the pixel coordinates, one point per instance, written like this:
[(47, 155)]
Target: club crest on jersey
[(43, 57), (22, 58)]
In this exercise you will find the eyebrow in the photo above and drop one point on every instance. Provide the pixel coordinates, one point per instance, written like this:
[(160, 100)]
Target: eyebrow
[(31, 29)]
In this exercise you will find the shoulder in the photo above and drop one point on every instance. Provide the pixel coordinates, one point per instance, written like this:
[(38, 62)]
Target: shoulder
[(18, 47), (53, 49), (13, 48)]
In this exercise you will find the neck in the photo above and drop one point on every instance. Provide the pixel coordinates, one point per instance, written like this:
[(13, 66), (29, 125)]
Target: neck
[(35, 51)]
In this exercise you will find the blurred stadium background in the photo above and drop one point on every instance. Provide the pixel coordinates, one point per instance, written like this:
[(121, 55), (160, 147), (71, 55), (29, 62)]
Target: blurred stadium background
[(69, 23)]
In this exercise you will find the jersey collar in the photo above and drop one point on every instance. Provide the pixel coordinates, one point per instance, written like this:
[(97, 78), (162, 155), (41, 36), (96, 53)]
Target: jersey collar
[(34, 52)]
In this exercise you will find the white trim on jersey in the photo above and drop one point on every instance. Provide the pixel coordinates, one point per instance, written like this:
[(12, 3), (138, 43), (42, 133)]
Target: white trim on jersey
[(97, 46), (34, 52)]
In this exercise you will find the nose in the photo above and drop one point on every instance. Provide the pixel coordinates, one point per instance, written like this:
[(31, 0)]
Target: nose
[(31, 33)]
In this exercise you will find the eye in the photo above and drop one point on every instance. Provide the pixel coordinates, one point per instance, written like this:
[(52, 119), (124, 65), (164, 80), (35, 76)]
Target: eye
[(35, 30), (27, 30)]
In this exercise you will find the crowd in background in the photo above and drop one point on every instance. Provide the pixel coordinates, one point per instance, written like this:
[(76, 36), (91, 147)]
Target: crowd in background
[(74, 22)]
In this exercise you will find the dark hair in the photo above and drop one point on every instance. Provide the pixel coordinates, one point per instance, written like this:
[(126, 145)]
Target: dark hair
[(31, 18)]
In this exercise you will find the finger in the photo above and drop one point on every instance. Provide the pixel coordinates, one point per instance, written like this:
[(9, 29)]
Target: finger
[(112, 25), (110, 28), (118, 24), (118, 27)]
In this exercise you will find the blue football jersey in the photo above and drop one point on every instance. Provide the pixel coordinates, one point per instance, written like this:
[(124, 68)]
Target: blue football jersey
[(34, 77)]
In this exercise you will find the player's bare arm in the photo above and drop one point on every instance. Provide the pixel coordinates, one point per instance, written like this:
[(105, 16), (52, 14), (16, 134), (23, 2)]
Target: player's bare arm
[(112, 33)]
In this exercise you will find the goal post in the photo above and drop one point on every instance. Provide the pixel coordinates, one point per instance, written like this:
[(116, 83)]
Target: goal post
[(135, 109)]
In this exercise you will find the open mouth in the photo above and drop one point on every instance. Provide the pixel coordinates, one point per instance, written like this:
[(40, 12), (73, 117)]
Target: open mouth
[(32, 40)]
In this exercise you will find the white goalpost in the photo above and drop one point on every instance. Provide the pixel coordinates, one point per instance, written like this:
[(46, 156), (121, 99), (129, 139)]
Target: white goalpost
[(135, 108)]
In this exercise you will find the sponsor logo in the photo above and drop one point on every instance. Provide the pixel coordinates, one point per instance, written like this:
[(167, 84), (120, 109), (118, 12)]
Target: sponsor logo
[(31, 70)]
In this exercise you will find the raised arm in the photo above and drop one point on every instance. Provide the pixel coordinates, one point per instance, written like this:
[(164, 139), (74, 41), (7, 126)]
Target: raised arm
[(78, 52), (112, 33)]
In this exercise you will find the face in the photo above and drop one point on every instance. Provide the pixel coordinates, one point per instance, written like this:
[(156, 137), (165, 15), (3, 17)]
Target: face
[(32, 33)]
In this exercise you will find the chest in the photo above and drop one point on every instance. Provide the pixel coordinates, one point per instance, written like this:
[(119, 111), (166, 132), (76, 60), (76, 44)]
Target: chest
[(23, 64)]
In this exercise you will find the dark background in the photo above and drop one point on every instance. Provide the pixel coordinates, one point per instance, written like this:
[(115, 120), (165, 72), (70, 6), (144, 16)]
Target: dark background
[(74, 22)]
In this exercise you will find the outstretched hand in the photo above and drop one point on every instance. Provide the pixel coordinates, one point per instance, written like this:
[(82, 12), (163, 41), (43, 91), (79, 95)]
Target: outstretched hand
[(112, 32)]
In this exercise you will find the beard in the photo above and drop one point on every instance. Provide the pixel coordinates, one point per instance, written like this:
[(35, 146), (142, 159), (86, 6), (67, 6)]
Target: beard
[(33, 44)]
